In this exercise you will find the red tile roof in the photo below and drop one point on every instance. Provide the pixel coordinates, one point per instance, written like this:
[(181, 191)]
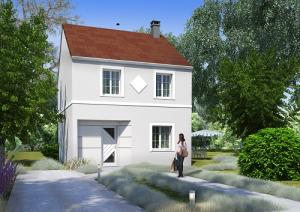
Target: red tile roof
[(120, 45)]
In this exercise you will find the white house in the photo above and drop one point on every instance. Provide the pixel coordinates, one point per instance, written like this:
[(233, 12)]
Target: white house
[(125, 96)]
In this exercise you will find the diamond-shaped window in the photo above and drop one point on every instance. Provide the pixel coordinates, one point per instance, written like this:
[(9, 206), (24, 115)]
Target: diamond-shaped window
[(138, 84)]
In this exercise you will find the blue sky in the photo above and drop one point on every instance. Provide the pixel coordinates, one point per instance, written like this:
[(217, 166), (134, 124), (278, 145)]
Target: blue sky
[(132, 14)]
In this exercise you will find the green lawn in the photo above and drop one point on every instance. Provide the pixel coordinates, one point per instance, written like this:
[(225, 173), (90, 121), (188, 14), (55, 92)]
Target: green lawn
[(25, 158), (290, 183), (209, 160)]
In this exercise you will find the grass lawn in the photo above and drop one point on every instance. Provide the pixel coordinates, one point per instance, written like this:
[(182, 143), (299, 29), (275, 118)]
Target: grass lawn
[(291, 183), (209, 160), (25, 158)]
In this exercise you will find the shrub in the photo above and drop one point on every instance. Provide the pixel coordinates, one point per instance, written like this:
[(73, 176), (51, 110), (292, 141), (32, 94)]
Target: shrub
[(51, 150), (21, 169), (271, 153), (125, 182), (87, 169), (76, 163), (47, 164), (251, 184), (7, 176)]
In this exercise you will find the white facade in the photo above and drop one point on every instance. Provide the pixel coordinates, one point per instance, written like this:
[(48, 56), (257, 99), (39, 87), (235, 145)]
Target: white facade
[(117, 129)]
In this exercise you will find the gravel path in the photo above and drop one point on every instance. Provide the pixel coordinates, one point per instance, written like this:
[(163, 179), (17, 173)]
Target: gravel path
[(63, 191), (287, 204)]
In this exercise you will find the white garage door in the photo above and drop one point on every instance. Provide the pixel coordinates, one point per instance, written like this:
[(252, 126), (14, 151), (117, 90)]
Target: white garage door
[(97, 143)]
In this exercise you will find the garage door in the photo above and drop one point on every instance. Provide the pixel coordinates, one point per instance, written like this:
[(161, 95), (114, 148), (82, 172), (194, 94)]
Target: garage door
[(89, 143), (98, 143)]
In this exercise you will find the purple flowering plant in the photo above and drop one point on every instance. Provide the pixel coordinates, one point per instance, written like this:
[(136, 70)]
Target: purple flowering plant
[(7, 175)]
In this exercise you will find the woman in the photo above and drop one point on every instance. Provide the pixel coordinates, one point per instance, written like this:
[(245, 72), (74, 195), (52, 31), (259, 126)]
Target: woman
[(180, 153)]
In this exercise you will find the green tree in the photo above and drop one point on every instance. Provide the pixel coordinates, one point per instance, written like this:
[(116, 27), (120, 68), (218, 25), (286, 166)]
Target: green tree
[(252, 91), (173, 39), (231, 29), (197, 122), (26, 83)]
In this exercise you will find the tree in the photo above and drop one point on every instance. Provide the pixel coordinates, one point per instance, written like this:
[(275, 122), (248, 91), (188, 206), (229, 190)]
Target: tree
[(197, 122), (231, 29), (252, 91), (170, 36), (26, 83), (56, 12)]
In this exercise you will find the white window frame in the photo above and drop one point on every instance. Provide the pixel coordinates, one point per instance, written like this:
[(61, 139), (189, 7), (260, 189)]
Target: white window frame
[(172, 73), (121, 84), (172, 141)]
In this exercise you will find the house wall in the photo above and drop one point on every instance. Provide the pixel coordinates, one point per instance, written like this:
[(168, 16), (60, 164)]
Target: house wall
[(64, 85), (79, 90), (135, 141), (90, 72)]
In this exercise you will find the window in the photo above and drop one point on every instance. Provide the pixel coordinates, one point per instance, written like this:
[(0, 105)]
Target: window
[(111, 81), (164, 84), (161, 137), (110, 131)]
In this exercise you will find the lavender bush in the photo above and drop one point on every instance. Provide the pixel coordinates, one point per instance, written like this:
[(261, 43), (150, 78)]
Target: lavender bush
[(7, 175)]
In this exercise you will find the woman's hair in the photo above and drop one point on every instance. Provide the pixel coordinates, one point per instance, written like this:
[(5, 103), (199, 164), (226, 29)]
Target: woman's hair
[(181, 137)]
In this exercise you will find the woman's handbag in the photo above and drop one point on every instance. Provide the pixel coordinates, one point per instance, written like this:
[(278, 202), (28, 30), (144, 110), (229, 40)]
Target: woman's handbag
[(184, 152), (173, 166)]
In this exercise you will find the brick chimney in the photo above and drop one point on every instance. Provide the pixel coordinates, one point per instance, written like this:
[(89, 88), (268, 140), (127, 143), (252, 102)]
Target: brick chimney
[(155, 29)]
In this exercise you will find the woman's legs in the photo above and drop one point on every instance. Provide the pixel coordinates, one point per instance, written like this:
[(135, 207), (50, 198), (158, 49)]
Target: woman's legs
[(180, 165)]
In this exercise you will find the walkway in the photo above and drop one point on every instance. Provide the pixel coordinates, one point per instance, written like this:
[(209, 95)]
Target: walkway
[(289, 205), (66, 191)]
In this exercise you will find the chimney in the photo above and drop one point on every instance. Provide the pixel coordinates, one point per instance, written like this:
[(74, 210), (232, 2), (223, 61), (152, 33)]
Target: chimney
[(155, 29)]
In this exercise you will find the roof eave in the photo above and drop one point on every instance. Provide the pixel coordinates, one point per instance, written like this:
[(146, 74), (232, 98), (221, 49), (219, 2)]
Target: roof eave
[(81, 58)]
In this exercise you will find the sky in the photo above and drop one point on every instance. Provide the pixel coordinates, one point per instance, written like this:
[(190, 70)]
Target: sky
[(133, 14)]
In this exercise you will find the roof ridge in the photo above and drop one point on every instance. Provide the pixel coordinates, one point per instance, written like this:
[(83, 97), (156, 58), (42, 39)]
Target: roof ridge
[(102, 28)]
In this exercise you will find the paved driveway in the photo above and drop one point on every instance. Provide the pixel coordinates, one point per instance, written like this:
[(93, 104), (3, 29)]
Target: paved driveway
[(63, 191)]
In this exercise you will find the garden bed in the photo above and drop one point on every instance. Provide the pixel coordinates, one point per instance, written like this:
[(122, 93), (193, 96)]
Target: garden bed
[(147, 187)]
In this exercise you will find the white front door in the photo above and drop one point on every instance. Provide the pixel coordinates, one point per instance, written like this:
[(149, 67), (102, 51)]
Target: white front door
[(109, 144)]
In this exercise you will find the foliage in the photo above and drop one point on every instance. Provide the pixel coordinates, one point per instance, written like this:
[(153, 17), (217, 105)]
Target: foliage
[(25, 158), (140, 195), (88, 169), (252, 91), (272, 153), (51, 150), (170, 36), (47, 164), (7, 176), (27, 85), (227, 141), (46, 134), (57, 12), (202, 142), (125, 182), (197, 122), (231, 29), (251, 184), (76, 163), (21, 169)]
